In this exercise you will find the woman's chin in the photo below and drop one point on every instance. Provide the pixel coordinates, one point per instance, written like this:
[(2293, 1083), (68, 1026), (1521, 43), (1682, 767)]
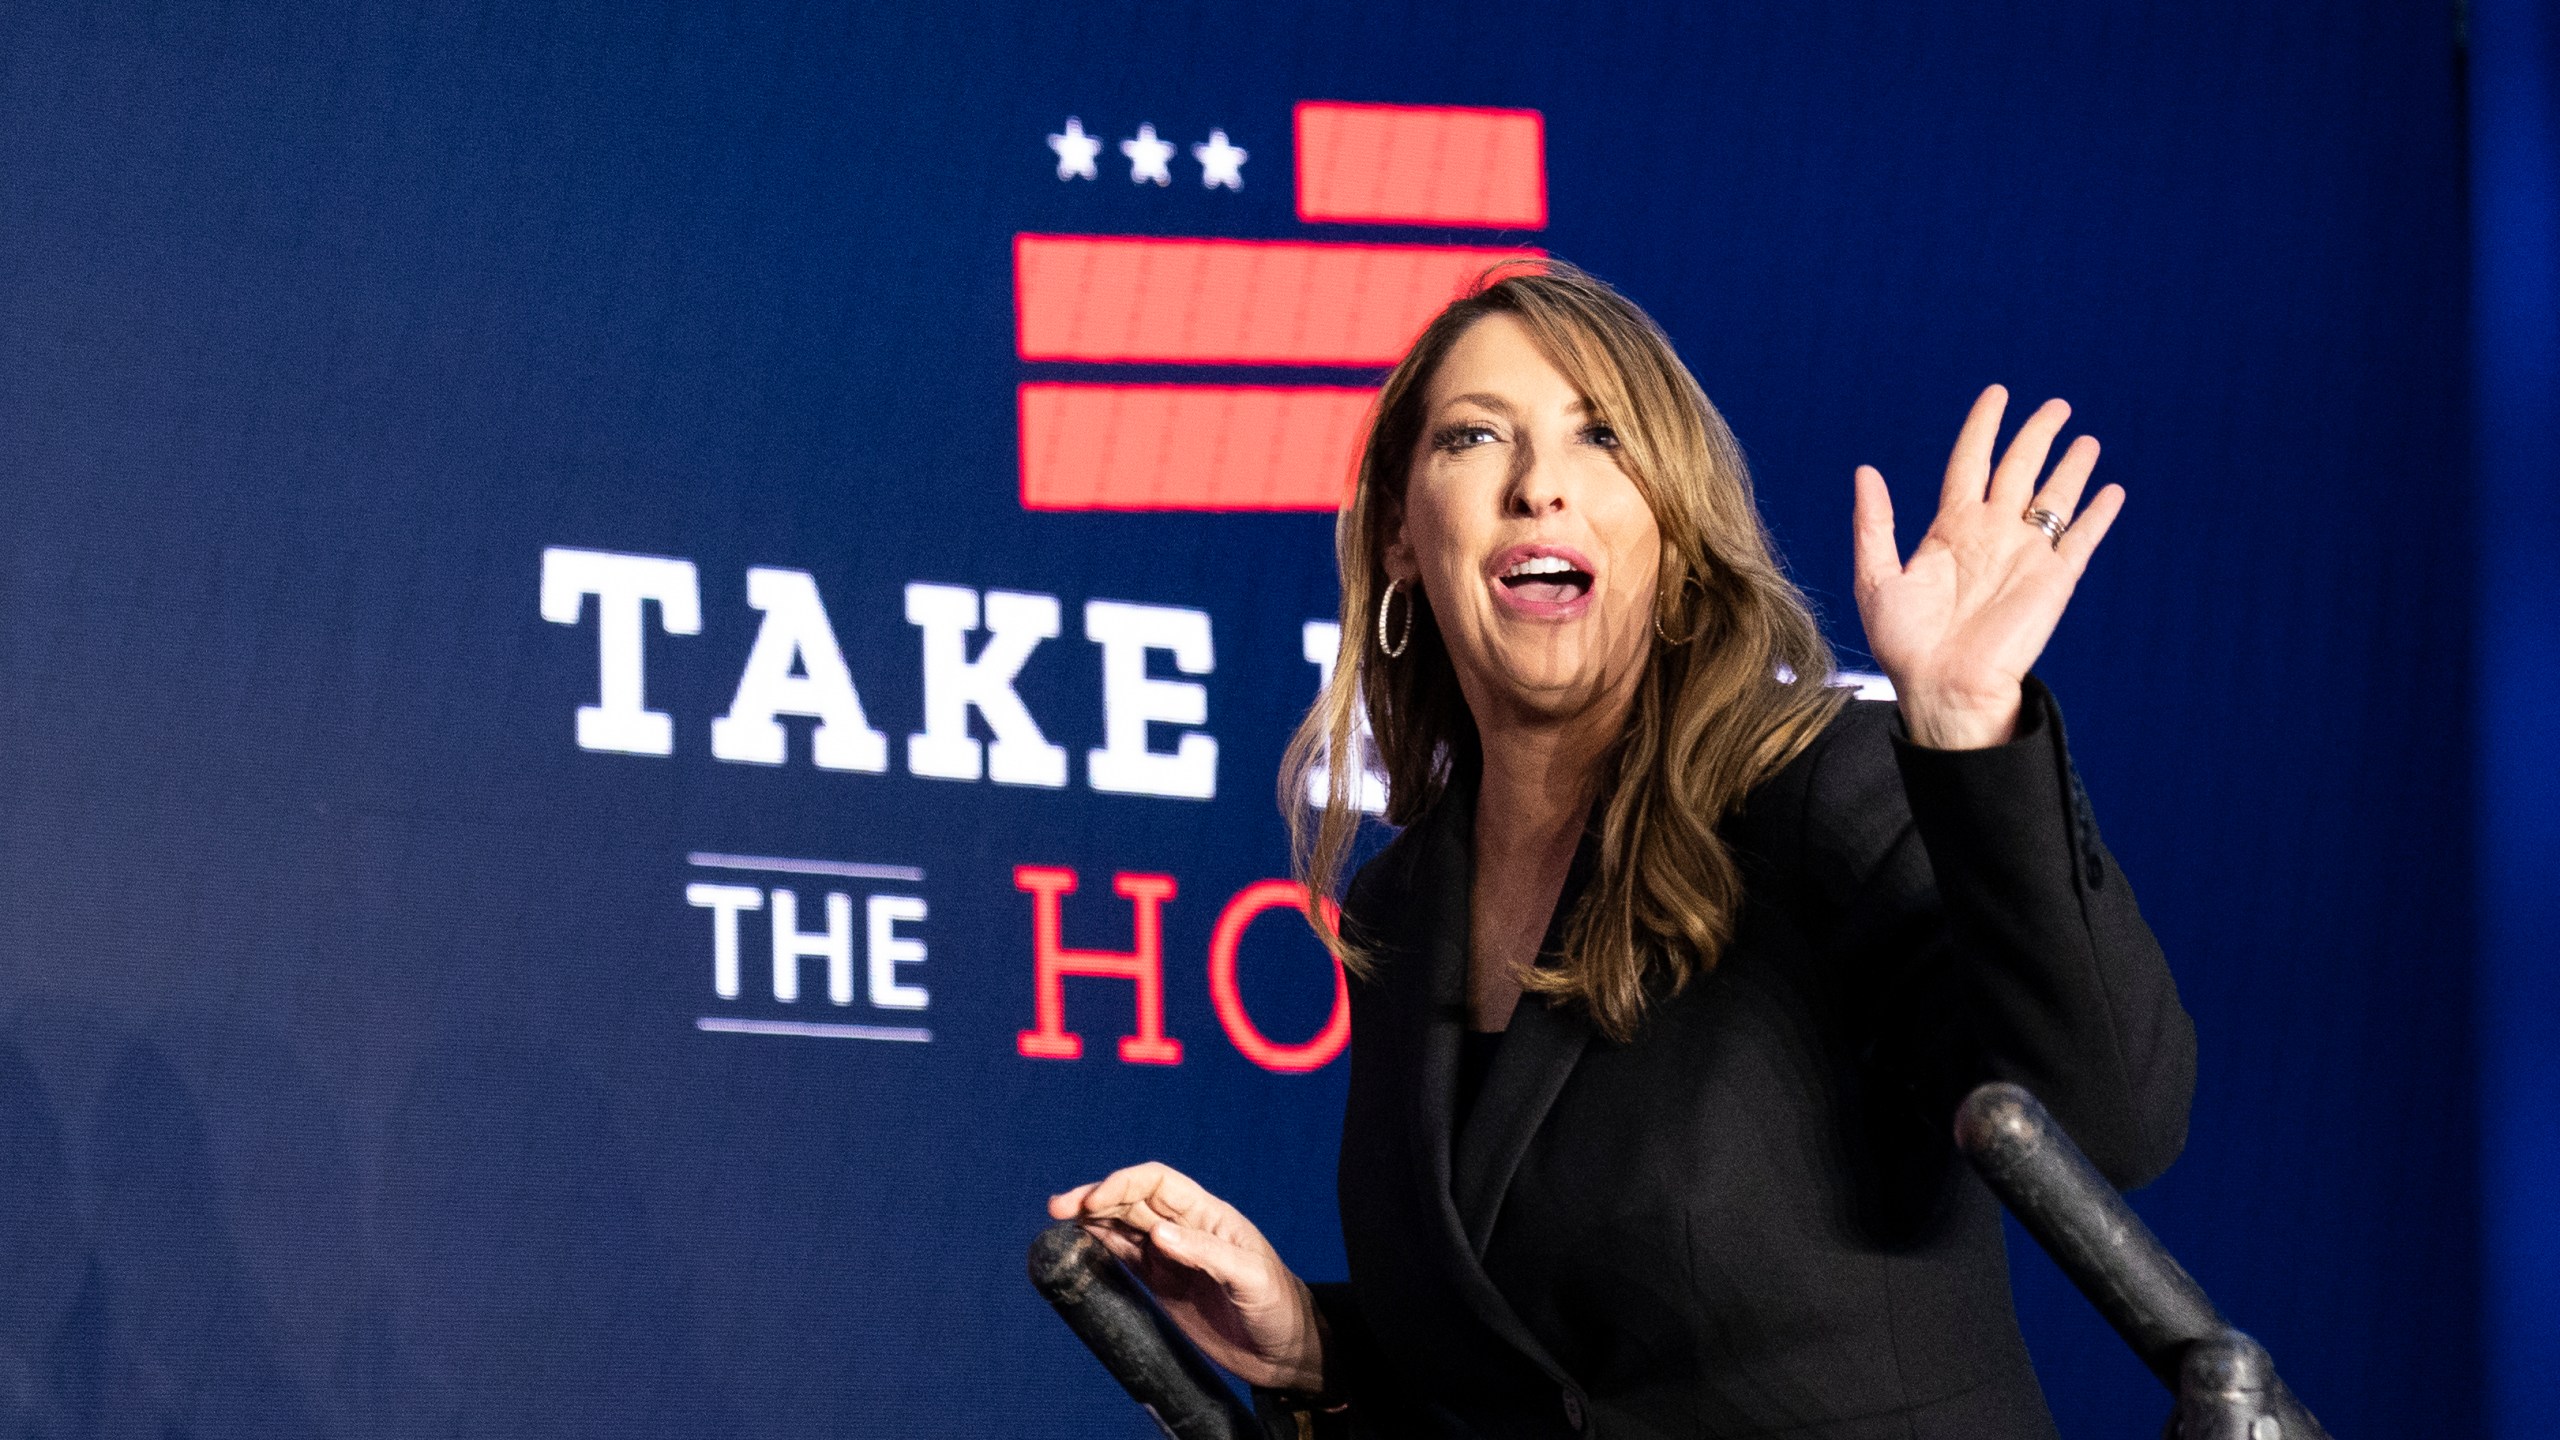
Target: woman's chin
[(1555, 687)]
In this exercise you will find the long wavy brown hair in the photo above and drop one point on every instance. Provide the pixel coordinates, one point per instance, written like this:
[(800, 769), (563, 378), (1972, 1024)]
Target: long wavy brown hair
[(1718, 708)]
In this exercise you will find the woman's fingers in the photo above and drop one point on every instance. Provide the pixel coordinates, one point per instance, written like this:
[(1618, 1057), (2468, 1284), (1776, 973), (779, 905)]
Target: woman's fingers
[(2015, 480), (2081, 540), (1878, 555), (2061, 492), (1123, 1243), (1127, 1186), (1231, 1265), (1969, 464), (1141, 1197)]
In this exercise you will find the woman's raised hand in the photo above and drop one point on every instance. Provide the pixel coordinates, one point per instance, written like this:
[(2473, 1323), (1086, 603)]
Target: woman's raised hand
[(1957, 627), (1210, 1270)]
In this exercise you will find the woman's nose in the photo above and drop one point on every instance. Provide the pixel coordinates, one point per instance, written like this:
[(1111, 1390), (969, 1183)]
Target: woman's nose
[(1538, 485)]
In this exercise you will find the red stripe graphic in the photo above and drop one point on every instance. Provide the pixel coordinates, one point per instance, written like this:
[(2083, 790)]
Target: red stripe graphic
[(1190, 447), (1232, 302), (1422, 165)]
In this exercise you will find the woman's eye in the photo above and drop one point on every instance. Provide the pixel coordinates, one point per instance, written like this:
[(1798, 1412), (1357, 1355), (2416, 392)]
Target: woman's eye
[(1602, 436), (1462, 437)]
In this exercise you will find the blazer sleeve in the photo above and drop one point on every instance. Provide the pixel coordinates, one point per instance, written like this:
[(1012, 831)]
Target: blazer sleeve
[(2023, 954), (1362, 1396)]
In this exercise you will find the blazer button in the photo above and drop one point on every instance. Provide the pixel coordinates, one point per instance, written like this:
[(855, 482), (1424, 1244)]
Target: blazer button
[(1573, 1410)]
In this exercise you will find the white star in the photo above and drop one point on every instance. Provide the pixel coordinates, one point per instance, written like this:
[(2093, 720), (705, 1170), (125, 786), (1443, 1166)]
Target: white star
[(1220, 162), (1147, 157), (1075, 150)]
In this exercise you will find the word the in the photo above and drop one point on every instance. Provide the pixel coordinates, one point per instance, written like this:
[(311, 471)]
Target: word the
[(885, 950)]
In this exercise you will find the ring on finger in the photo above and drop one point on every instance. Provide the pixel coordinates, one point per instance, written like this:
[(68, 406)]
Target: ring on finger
[(2051, 524)]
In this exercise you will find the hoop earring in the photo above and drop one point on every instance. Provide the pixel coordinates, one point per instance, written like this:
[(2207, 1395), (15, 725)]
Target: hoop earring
[(1385, 601)]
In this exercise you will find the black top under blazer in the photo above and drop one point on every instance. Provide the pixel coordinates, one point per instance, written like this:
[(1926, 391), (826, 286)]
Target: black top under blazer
[(1750, 1220)]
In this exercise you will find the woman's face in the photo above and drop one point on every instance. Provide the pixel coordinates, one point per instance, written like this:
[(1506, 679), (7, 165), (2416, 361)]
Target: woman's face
[(1536, 549)]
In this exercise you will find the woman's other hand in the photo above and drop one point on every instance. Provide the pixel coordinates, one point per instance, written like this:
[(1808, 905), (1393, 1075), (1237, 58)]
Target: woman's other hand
[(1957, 628), (1210, 1269)]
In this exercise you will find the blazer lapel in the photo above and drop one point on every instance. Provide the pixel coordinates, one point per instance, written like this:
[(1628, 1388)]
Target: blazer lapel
[(1430, 1011), (1537, 1056), (1433, 1009), (1538, 1053)]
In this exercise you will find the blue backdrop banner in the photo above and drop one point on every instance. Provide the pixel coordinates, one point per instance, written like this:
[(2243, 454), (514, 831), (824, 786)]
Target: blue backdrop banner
[(644, 648)]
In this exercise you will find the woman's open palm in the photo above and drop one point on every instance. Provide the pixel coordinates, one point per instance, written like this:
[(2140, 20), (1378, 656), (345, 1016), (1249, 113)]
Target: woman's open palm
[(1957, 627)]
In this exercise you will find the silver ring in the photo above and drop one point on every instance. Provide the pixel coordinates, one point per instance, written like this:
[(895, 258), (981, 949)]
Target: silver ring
[(2051, 524)]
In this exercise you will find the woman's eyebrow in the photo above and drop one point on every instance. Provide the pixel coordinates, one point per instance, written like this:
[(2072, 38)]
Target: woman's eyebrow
[(1500, 406)]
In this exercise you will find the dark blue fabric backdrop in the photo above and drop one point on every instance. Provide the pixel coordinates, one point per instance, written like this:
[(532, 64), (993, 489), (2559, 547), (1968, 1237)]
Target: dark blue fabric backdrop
[(350, 1073), (2515, 117)]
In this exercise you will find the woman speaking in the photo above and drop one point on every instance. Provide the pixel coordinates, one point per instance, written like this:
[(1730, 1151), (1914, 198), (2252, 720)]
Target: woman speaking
[(1666, 991)]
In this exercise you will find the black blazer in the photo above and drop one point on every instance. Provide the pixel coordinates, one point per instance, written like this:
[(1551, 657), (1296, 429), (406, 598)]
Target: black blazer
[(1751, 1220)]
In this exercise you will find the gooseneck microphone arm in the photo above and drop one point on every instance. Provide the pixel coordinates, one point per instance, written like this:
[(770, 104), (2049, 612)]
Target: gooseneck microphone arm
[(2226, 1385), (1120, 1323)]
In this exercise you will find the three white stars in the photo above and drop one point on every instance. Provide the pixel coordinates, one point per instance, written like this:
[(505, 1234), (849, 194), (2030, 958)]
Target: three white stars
[(1150, 157)]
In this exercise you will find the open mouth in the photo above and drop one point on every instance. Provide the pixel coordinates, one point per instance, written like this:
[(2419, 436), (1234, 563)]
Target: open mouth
[(1546, 580)]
